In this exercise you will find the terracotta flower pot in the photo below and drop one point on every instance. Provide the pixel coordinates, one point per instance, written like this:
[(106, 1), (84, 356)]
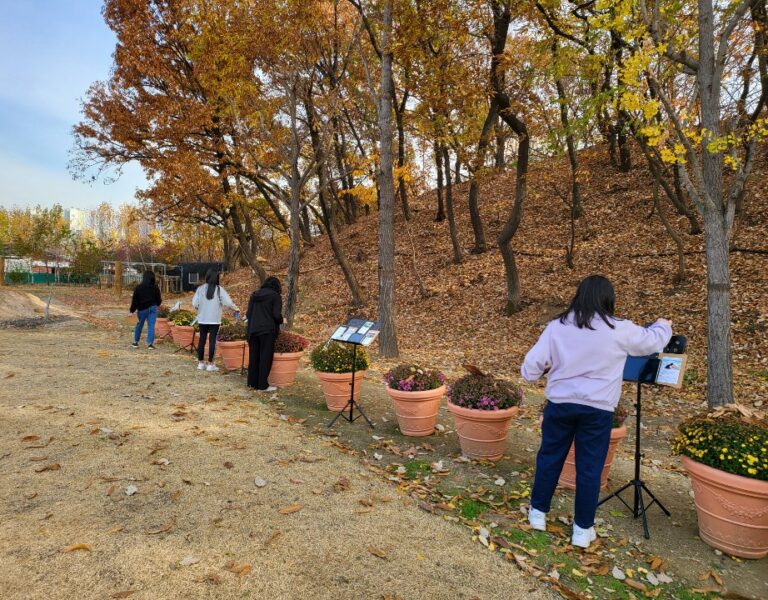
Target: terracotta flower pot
[(732, 510), (568, 474), (482, 433), (337, 387), (162, 328), (416, 411), (284, 368), (234, 354), (183, 336)]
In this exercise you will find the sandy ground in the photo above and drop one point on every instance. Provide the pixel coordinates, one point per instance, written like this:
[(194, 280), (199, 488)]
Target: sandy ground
[(84, 420), (17, 304)]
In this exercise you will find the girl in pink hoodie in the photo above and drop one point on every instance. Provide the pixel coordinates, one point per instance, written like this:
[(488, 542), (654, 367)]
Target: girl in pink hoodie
[(582, 352)]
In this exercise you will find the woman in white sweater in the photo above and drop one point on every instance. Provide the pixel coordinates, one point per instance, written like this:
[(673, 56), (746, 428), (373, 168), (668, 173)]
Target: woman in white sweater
[(209, 300)]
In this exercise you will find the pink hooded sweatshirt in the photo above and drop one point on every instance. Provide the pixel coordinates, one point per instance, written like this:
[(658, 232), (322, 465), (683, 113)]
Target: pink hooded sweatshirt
[(586, 365)]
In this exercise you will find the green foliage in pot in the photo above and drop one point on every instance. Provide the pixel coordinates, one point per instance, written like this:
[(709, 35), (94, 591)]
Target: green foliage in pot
[(287, 342), (182, 317), (163, 312), (727, 442), (335, 357), (232, 332), (413, 378), (484, 392)]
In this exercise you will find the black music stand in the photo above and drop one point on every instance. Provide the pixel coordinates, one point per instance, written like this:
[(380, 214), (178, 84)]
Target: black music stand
[(643, 369), (358, 332), (191, 346)]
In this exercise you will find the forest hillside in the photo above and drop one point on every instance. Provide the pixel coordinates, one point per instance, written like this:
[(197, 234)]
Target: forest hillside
[(619, 234)]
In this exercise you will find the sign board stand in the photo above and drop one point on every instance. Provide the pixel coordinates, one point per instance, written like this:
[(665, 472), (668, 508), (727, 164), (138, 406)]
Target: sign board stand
[(357, 332), (645, 369)]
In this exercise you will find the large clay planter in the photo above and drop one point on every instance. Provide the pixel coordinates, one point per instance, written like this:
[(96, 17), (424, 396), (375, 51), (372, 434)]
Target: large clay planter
[(337, 387), (568, 474), (234, 354), (285, 365), (482, 433), (162, 328), (732, 510), (183, 336), (416, 411)]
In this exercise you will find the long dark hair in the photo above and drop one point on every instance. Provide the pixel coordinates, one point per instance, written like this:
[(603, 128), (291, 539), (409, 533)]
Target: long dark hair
[(273, 283), (148, 278), (212, 279), (595, 296)]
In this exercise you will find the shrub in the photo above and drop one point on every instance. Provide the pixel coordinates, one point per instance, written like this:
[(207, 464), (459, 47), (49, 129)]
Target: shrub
[(413, 378), (290, 342), (725, 442), (232, 332), (182, 317), (335, 357), (484, 392), (619, 415)]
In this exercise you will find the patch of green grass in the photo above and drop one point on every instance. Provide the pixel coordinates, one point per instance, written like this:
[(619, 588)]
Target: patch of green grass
[(471, 509), (691, 376), (761, 374), (417, 467)]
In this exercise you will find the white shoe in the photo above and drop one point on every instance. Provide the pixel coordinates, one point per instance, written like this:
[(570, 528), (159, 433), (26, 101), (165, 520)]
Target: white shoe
[(201, 366), (537, 519), (211, 367), (271, 388), (583, 537)]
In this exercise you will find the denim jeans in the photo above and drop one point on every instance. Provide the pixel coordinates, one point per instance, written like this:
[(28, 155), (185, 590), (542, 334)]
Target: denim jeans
[(149, 315), (590, 428)]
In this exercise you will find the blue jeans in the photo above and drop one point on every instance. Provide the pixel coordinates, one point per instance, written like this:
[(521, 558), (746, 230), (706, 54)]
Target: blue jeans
[(590, 428), (149, 315)]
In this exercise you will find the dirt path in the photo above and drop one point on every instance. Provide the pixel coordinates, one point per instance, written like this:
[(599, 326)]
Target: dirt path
[(85, 420)]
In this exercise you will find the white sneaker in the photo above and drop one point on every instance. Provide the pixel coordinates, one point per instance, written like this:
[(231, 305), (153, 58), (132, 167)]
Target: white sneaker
[(211, 367), (583, 537), (271, 388), (537, 519), (201, 366)]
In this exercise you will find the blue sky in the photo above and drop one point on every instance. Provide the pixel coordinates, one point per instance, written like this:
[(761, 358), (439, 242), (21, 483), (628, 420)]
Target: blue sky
[(51, 51)]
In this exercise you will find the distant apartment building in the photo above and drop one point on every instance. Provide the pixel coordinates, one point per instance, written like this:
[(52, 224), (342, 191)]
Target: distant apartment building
[(76, 218)]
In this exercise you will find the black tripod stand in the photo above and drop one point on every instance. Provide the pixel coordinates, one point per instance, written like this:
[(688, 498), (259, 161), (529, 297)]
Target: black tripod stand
[(351, 403), (640, 507)]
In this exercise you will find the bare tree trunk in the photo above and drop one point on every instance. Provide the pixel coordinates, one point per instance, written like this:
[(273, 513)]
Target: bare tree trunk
[(482, 148), (571, 146), (716, 227), (292, 285), (401, 189), (449, 207), (457, 170), (388, 341), (440, 217), (680, 275), (501, 142)]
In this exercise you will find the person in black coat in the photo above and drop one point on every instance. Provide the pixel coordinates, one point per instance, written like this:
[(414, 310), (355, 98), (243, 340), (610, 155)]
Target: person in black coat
[(265, 315), (146, 300)]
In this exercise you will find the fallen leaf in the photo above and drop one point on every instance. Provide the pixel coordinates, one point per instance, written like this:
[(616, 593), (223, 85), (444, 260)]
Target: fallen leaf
[(290, 509), (228, 465), (165, 528), (51, 467), (377, 552), (212, 578), (117, 529), (636, 585), (259, 482), (124, 594), (342, 485), (30, 438), (75, 547), (9, 375), (188, 561), (111, 490), (30, 495), (272, 538), (239, 569)]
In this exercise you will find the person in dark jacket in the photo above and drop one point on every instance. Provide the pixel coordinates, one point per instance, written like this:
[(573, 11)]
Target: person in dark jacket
[(146, 300), (265, 315)]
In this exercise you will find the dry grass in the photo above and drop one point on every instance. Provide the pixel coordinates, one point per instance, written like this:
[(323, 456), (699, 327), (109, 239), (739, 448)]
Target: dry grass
[(109, 414)]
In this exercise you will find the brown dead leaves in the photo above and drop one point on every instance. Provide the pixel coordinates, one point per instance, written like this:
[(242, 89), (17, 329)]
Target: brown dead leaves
[(288, 510), (50, 467), (168, 527), (239, 569), (378, 552), (76, 547)]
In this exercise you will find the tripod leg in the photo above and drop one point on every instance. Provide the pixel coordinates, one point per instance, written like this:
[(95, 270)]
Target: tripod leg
[(336, 416), (656, 500), (639, 498), (367, 420)]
